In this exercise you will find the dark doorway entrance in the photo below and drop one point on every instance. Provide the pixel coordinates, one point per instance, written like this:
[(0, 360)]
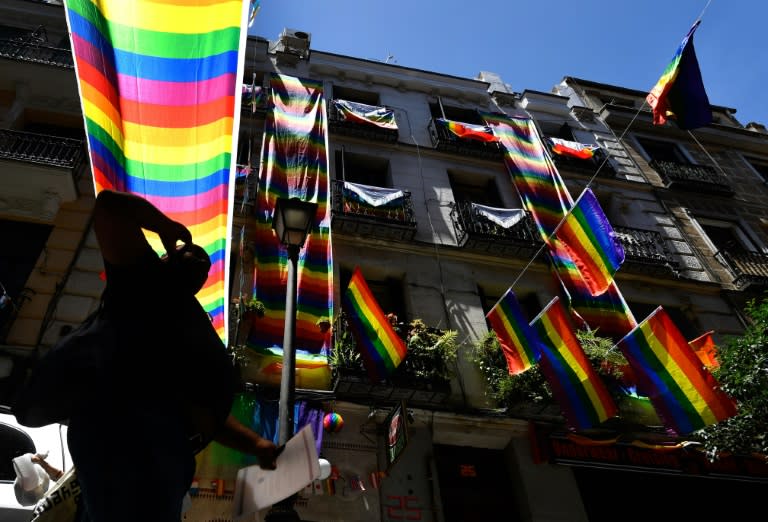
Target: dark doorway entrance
[(474, 484)]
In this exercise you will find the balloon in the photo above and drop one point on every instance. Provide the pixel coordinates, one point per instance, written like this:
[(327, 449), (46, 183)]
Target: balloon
[(325, 469), (333, 422)]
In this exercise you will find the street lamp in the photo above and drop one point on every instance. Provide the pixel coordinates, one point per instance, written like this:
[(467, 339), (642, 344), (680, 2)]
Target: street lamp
[(292, 222)]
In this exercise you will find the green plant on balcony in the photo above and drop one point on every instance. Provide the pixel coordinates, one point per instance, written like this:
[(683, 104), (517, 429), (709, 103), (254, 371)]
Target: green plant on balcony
[(430, 355), (518, 392)]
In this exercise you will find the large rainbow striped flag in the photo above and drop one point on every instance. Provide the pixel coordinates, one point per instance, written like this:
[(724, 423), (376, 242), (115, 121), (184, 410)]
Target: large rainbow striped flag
[(679, 94), (294, 163), (591, 243), (546, 197), (685, 395), (380, 346), (519, 342), (583, 397), (159, 85)]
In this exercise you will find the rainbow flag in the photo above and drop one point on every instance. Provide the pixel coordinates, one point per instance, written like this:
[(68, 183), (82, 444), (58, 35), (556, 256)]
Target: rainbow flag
[(366, 114), (589, 239), (159, 85), (380, 346), (685, 395), (583, 397), (572, 148), (519, 342), (546, 197), (679, 94), (706, 350), (468, 131), (294, 163)]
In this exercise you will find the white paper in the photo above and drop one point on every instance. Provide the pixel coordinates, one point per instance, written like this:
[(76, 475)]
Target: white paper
[(297, 466)]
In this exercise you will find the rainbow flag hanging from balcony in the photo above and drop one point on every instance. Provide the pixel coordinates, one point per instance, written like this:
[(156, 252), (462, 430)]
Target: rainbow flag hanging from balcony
[(468, 131), (294, 163), (381, 348), (679, 94), (519, 342), (581, 393), (546, 197), (158, 84), (366, 114), (685, 395), (572, 148)]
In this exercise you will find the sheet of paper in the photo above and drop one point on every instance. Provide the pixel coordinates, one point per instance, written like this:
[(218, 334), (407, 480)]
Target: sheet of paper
[(297, 466)]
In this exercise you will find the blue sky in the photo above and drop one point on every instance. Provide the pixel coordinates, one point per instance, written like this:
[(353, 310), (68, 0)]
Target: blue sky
[(534, 44)]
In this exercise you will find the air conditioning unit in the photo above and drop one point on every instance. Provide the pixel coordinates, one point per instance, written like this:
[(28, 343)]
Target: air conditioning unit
[(295, 41)]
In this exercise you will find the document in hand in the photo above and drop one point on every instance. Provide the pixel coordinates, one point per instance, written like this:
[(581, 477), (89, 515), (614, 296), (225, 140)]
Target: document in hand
[(297, 466)]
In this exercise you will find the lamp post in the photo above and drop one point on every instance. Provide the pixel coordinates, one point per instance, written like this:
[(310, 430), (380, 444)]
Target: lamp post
[(292, 222)]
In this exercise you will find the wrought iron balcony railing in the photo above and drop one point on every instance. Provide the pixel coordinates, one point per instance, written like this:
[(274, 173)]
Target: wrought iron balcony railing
[(645, 252), (350, 215), (31, 50), (697, 178), (337, 124), (748, 268), (53, 151), (246, 187), (476, 232), (445, 140)]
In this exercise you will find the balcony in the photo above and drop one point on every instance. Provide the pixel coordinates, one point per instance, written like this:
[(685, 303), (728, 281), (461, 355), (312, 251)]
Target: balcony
[(695, 178), (32, 50), (475, 231), (645, 252), (41, 149), (352, 214), (749, 269), (423, 378), (446, 141), (253, 100), (359, 127), (246, 186)]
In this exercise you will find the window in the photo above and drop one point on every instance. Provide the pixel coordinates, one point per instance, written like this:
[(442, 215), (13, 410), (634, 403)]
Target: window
[(725, 235), (663, 151), (475, 189), (359, 168), (455, 113), (353, 95), (388, 291), (760, 166)]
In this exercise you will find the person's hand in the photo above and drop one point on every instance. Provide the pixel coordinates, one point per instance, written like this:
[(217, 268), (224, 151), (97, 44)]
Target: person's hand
[(267, 453), (173, 232)]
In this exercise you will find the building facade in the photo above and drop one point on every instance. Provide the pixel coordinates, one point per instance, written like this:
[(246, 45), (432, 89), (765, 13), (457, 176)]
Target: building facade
[(689, 208)]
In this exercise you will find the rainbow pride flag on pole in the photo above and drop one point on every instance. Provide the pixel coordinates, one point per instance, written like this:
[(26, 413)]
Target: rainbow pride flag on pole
[(591, 243), (380, 346), (679, 94), (685, 395), (583, 397), (159, 84), (519, 342)]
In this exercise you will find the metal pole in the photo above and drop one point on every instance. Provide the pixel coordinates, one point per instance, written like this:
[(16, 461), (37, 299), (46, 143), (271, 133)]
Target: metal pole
[(288, 381)]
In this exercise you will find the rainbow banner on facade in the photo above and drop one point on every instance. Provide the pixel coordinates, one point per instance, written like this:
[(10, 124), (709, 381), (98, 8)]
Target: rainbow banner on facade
[(581, 393), (546, 197), (519, 342), (294, 163), (679, 94), (685, 395), (591, 243), (381, 348), (159, 84)]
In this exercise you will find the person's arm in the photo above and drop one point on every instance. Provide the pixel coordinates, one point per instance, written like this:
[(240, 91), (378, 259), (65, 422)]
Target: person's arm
[(54, 473), (239, 437), (118, 220)]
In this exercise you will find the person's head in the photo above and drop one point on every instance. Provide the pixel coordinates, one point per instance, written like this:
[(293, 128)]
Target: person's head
[(189, 266)]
